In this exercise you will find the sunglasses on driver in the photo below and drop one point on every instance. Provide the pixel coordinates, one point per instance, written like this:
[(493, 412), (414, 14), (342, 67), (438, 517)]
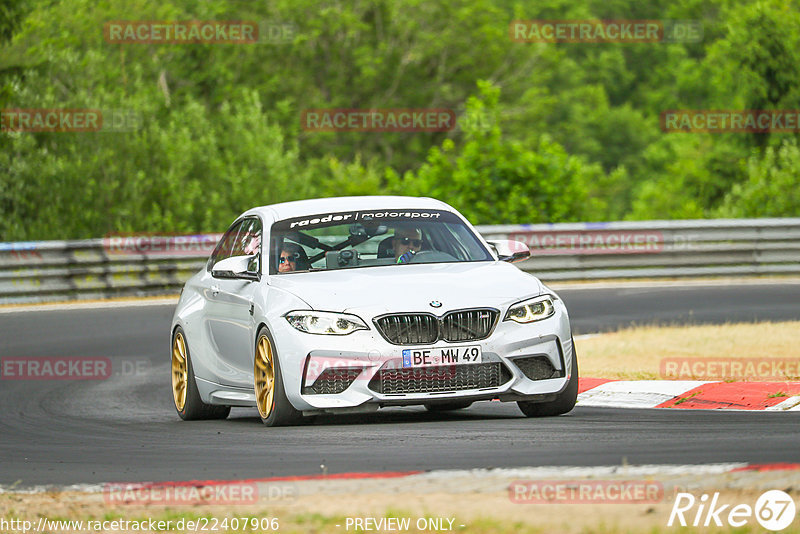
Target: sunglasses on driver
[(292, 258), (409, 241)]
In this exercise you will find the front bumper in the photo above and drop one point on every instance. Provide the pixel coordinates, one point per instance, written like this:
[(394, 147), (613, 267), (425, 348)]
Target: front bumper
[(362, 370)]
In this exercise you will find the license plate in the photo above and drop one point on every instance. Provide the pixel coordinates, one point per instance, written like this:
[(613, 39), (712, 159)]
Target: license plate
[(442, 356)]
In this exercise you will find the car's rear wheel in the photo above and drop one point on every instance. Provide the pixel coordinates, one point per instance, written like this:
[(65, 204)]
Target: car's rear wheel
[(448, 406), (273, 406), (184, 386), (564, 402)]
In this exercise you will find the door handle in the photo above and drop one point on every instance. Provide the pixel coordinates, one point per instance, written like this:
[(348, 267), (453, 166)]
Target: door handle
[(215, 290)]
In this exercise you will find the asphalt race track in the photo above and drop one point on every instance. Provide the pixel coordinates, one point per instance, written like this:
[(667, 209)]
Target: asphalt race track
[(126, 429)]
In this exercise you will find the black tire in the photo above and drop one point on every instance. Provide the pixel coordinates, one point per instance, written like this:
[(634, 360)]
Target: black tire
[(448, 406), (564, 402), (194, 409), (281, 413)]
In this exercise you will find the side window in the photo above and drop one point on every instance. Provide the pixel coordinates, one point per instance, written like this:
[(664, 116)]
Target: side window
[(226, 244), (253, 243), (248, 241), (242, 239)]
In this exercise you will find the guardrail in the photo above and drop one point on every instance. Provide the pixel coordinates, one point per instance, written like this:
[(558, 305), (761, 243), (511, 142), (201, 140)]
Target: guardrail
[(100, 268), (119, 266), (657, 249)]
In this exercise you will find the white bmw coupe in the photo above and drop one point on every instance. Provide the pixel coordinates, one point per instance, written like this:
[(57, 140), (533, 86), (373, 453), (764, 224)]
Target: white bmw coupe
[(350, 304)]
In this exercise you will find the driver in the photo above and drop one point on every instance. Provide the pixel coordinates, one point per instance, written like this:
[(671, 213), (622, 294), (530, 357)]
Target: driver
[(292, 258), (406, 243)]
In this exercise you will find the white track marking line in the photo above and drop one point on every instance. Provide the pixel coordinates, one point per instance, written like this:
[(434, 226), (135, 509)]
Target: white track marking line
[(601, 284), (78, 305), (636, 393), (563, 472), (790, 404)]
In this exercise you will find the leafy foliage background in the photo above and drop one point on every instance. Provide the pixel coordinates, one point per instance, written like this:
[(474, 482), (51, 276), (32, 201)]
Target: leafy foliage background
[(547, 132)]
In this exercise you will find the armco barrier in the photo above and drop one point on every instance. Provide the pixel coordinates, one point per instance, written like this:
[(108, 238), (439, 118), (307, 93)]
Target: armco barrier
[(63, 270), (96, 268), (657, 249)]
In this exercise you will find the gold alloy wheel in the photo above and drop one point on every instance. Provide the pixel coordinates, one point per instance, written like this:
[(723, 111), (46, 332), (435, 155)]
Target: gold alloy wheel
[(179, 373), (264, 376)]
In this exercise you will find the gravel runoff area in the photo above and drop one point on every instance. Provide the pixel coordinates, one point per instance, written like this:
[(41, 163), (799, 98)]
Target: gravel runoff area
[(622, 498)]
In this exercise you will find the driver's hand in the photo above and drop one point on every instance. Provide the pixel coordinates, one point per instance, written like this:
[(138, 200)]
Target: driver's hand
[(406, 258)]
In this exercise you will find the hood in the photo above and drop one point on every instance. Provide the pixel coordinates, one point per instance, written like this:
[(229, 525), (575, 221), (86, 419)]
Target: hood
[(407, 288)]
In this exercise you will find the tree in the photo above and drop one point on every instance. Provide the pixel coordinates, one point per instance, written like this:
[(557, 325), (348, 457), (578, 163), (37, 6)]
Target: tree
[(772, 188), (494, 180)]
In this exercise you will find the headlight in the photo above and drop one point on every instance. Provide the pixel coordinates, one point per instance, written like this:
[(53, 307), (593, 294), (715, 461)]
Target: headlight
[(319, 322), (531, 310)]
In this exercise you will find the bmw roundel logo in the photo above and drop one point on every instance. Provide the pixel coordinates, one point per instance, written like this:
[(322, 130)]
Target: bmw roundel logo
[(436, 304)]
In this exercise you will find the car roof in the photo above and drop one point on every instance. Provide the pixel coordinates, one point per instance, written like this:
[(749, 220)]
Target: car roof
[(299, 208)]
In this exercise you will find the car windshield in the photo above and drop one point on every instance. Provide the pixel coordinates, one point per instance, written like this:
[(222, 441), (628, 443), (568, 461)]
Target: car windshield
[(345, 240)]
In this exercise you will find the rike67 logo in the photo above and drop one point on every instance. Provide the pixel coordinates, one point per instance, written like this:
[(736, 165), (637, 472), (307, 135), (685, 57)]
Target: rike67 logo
[(774, 510)]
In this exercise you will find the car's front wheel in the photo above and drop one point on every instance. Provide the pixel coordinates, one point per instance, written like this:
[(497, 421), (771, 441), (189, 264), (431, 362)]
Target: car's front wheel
[(273, 406), (184, 386), (564, 402)]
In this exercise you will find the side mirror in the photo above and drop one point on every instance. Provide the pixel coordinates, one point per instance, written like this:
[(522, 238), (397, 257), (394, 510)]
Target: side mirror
[(510, 251), (245, 267)]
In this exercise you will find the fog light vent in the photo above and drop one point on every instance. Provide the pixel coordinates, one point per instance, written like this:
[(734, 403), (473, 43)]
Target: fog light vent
[(537, 368), (333, 380)]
